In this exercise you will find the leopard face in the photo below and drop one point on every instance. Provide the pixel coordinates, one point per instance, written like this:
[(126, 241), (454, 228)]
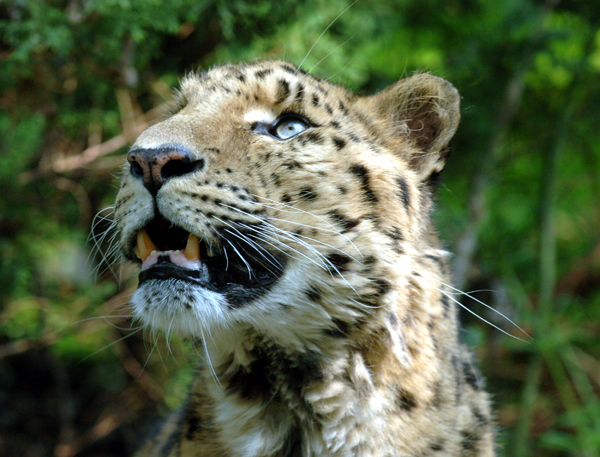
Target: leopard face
[(284, 223), (272, 200)]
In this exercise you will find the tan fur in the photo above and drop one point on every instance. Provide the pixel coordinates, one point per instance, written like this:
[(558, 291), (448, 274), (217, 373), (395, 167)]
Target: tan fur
[(354, 351)]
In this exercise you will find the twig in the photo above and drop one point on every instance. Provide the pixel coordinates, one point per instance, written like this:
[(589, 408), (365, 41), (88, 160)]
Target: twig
[(129, 404), (80, 194), (24, 345), (87, 156), (65, 402), (138, 374)]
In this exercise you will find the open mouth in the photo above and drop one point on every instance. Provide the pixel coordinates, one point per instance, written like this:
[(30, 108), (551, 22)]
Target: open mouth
[(170, 252)]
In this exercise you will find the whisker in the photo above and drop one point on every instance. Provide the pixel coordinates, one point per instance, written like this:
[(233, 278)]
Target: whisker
[(111, 344), (110, 235), (264, 238), (460, 292), (323, 33), (341, 69), (147, 358), (168, 336), (326, 262), (262, 250), (365, 306), (208, 360), (275, 238), (241, 257), (105, 319), (466, 308), (249, 241), (212, 226), (337, 232), (160, 356), (331, 52), (294, 209), (295, 237)]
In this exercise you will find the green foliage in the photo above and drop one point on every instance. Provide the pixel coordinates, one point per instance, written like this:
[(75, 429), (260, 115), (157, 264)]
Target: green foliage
[(522, 186), (21, 141)]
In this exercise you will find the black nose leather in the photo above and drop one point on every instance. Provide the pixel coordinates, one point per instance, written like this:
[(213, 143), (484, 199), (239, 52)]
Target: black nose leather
[(157, 165)]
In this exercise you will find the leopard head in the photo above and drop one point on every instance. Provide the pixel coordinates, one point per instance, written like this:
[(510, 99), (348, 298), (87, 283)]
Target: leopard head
[(275, 201)]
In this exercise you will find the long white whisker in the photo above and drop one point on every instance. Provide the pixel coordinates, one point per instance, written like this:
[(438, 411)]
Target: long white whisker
[(265, 238), (293, 209), (147, 358), (241, 257), (460, 292), (160, 357), (98, 218), (105, 319), (338, 47), (365, 306), (323, 33), (109, 257), (263, 251), (341, 69), (209, 361), (262, 236), (293, 237), (296, 235), (326, 262), (168, 336), (466, 308), (111, 344), (275, 238), (246, 239)]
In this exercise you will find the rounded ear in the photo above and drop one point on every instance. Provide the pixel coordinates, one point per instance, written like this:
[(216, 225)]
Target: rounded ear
[(425, 110)]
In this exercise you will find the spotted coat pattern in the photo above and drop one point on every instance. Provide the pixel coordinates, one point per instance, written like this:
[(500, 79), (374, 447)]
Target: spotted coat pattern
[(354, 349)]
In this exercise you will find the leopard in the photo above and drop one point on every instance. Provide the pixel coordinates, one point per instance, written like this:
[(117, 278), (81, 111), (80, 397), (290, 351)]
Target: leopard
[(284, 225)]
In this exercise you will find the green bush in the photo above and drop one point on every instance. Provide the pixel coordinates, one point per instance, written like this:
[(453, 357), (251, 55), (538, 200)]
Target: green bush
[(520, 204)]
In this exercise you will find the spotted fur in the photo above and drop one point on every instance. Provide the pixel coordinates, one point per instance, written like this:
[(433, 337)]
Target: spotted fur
[(354, 349)]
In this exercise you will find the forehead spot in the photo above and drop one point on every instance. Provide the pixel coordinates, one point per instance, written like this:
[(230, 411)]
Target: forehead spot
[(259, 115)]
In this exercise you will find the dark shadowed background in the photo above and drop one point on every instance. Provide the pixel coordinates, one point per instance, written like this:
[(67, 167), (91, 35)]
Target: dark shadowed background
[(519, 205)]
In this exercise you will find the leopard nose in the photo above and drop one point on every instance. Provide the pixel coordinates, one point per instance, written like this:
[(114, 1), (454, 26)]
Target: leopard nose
[(157, 165)]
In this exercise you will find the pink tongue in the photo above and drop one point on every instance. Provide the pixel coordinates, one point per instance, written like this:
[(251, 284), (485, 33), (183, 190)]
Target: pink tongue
[(177, 259)]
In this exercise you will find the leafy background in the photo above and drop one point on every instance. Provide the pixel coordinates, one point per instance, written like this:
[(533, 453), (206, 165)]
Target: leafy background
[(519, 207)]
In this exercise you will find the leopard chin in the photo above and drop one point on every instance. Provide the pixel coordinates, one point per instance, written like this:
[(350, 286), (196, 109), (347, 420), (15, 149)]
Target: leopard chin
[(185, 282)]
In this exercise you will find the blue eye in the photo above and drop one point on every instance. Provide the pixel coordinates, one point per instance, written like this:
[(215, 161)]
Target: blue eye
[(288, 126)]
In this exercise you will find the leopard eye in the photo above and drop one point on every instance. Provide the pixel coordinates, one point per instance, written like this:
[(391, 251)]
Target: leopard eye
[(288, 126)]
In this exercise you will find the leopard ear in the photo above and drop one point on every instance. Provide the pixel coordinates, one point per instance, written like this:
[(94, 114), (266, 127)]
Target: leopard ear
[(425, 110)]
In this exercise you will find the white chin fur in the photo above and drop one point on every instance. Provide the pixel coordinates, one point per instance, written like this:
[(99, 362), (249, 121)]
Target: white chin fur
[(174, 305)]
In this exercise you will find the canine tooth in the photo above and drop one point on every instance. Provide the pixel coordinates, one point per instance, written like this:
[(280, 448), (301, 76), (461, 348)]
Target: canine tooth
[(136, 250), (144, 246), (192, 248)]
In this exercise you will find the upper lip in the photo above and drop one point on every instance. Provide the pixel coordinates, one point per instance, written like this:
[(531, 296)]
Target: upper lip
[(159, 234), (146, 247), (160, 244), (161, 241)]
